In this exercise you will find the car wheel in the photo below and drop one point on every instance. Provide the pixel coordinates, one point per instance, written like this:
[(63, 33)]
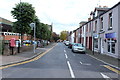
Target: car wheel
[(72, 50)]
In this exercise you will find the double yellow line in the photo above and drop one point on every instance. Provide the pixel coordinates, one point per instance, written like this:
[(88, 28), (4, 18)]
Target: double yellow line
[(112, 69), (36, 58)]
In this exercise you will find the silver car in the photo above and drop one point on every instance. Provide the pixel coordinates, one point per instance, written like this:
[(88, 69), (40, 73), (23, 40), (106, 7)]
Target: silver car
[(67, 43), (77, 47)]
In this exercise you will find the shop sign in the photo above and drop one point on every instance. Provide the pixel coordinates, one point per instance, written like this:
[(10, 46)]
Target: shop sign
[(110, 35)]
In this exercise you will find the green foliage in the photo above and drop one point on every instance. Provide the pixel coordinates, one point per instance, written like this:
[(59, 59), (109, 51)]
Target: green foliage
[(45, 32), (63, 35), (55, 36), (25, 14)]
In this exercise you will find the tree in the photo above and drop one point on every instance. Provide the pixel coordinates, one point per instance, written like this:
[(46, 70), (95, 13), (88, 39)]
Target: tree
[(63, 35), (55, 36), (25, 14), (45, 33), (38, 27)]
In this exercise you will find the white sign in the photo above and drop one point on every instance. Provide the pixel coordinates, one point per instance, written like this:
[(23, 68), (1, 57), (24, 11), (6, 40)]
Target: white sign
[(32, 25)]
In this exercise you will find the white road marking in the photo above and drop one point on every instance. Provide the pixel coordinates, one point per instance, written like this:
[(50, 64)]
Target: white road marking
[(104, 76), (70, 68), (86, 64), (64, 50), (80, 62), (103, 61), (66, 56)]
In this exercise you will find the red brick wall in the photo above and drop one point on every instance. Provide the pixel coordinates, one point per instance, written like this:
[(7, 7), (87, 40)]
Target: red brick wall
[(8, 37)]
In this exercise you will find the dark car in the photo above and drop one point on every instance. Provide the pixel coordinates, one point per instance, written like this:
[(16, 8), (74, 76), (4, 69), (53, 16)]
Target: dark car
[(70, 45)]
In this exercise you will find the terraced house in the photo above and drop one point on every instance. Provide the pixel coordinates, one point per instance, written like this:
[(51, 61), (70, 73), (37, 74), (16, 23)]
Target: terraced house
[(102, 31)]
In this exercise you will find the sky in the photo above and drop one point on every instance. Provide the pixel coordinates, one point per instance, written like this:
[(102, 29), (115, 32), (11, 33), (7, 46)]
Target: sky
[(64, 14)]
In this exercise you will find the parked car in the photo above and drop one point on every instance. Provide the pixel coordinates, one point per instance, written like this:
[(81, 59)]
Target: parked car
[(64, 41), (70, 45), (26, 42), (67, 43), (77, 47)]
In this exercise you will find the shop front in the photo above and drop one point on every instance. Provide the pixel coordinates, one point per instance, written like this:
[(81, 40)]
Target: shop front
[(110, 39)]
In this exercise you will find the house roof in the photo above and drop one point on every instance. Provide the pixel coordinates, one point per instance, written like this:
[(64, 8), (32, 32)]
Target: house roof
[(101, 9)]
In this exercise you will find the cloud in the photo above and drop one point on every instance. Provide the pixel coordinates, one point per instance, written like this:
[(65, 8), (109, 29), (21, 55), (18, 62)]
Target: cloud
[(64, 14)]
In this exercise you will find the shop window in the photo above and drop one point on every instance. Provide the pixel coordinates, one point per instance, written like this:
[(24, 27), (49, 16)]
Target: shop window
[(111, 46)]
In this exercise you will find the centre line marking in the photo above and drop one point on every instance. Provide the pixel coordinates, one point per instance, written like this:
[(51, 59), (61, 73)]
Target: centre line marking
[(66, 56), (80, 62), (104, 76), (70, 68), (86, 64), (64, 50)]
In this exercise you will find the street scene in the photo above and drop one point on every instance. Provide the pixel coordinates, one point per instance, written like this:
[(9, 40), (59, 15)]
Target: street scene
[(69, 40)]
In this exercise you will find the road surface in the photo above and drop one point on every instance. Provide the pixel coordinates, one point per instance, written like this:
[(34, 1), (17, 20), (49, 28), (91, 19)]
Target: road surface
[(61, 62)]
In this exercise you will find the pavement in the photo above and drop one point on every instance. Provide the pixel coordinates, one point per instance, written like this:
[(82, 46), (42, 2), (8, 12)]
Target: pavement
[(105, 58), (23, 56)]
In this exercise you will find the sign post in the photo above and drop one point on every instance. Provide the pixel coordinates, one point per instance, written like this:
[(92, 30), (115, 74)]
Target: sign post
[(32, 25)]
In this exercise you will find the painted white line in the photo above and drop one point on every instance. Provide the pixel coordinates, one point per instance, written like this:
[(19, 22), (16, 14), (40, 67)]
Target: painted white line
[(103, 61), (66, 56), (80, 62), (70, 68), (64, 50), (104, 76), (86, 64)]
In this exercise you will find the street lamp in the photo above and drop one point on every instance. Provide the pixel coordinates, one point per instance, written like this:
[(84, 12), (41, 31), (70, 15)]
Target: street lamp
[(32, 25)]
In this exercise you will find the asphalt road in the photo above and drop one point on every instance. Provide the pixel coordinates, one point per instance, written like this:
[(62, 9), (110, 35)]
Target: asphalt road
[(61, 62)]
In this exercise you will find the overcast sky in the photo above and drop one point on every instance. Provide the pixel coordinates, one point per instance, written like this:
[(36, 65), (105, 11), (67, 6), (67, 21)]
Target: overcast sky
[(64, 14)]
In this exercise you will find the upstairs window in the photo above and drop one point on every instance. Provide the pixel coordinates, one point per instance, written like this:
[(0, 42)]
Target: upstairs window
[(110, 21), (87, 28), (95, 26), (90, 27), (102, 23)]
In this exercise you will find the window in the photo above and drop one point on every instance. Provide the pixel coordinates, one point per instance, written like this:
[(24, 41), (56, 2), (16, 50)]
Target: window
[(90, 27), (110, 21), (87, 28), (95, 26), (102, 23), (111, 46)]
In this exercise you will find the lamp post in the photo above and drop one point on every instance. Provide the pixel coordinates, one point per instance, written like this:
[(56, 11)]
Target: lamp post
[(93, 41), (32, 25)]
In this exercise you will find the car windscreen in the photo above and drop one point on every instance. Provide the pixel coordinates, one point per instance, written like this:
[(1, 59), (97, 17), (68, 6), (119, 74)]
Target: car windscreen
[(80, 45)]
